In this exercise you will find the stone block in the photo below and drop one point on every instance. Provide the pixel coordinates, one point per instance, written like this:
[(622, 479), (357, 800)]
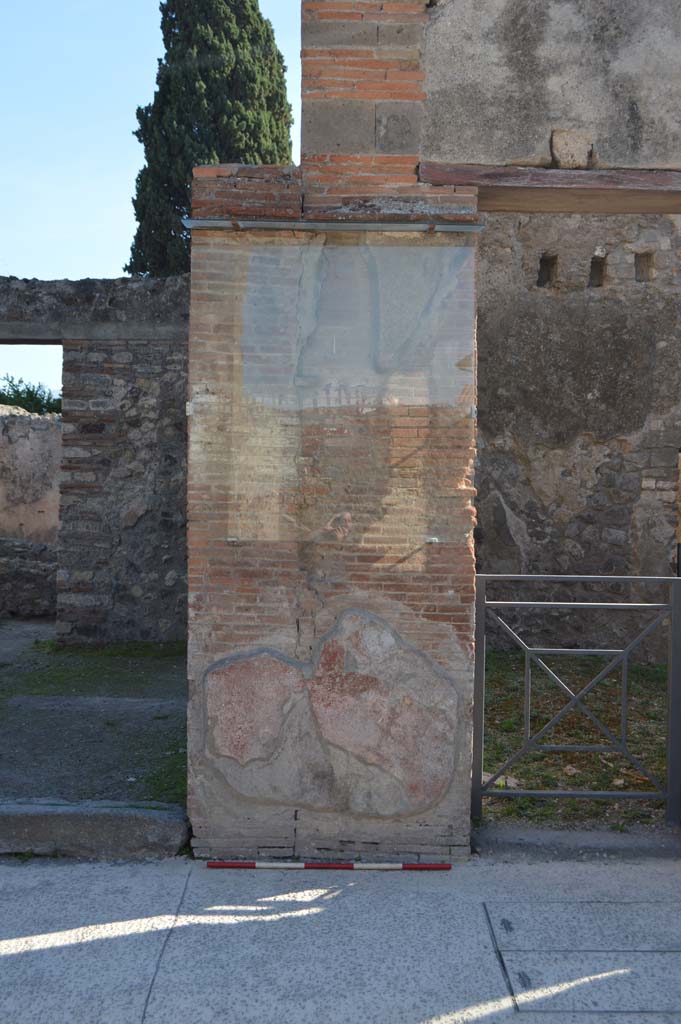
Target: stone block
[(339, 126), (327, 34), (398, 127), (400, 36), (572, 150), (93, 829)]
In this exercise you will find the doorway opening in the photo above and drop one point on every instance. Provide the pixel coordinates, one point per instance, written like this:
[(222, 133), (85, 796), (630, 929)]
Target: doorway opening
[(30, 463)]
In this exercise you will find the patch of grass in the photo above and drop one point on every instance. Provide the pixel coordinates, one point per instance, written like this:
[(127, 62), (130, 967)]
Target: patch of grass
[(122, 670), (593, 770), (128, 650), (167, 784)]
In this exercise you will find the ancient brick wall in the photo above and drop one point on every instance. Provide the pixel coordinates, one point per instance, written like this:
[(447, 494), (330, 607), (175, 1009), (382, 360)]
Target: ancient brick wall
[(331, 565), (121, 539), (332, 432), (121, 547)]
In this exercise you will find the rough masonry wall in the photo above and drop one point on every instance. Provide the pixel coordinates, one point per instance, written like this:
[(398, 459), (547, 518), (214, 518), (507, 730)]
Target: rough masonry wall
[(30, 457), (122, 569), (580, 398), (121, 548), (502, 76)]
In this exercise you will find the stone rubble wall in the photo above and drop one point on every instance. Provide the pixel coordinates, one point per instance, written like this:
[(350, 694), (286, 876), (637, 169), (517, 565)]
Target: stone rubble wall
[(121, 547), (122, 568), (28, 579), (580, 408)]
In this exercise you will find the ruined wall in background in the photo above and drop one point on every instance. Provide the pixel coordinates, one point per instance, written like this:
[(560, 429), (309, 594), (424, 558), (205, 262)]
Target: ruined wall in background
[(122, 562), (506, 79), (30, 457), (580, 397)]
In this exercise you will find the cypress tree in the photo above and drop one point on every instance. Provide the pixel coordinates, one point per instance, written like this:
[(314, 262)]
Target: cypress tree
[(220, 98)]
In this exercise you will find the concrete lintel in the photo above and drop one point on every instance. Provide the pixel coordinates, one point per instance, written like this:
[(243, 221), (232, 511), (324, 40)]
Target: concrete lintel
[(27, 333)]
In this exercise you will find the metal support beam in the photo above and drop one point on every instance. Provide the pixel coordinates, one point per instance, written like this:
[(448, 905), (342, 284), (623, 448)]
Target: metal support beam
[(674, 736), (479, 698)]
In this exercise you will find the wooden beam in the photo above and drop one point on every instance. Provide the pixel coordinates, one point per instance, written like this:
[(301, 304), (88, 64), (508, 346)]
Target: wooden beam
[(549, 190)]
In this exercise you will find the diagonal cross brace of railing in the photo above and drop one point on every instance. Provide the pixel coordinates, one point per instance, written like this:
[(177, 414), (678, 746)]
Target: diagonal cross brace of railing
[(576, 700)]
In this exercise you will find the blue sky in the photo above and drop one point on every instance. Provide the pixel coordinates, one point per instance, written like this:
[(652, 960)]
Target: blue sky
[(72, 74)]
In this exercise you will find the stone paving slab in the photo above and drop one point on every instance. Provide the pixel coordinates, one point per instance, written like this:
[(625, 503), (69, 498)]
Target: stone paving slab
[(92, 829), (172, 941), (560, 926), (643, 983), (319, 948), (79, 943)]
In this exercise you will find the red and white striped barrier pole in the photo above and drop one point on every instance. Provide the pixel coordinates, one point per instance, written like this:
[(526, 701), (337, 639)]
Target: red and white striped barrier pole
[(269, 865)]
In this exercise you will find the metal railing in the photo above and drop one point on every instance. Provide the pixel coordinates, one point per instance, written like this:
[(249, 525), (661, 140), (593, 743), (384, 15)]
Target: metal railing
[(668, 790)]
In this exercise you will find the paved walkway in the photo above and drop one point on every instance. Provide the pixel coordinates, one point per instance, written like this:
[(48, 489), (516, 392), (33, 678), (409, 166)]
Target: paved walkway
[(172, 942)]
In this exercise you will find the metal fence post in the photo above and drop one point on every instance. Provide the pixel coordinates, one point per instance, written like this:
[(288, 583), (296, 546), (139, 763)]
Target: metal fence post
[(479, 697), (674, 735)]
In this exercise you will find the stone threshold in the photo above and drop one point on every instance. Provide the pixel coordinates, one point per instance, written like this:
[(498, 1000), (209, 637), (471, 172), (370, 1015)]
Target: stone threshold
[(92, 829)]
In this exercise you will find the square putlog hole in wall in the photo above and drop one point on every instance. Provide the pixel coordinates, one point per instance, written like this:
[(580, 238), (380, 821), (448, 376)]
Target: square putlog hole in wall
[(645, 266), (597, 271), (548, 271)]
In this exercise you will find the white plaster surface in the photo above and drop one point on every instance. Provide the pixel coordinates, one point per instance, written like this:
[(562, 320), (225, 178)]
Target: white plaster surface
[(173, 941)]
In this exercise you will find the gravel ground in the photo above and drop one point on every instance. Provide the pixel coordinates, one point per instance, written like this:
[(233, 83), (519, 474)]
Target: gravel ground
[(89, 724)]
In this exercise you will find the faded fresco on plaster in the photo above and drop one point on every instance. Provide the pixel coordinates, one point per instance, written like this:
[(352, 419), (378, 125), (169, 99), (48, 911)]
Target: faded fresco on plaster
[(367, 726)]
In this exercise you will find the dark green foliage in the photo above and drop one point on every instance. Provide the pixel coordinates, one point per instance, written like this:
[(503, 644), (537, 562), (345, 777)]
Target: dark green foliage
[(220, 98), (32, 397)]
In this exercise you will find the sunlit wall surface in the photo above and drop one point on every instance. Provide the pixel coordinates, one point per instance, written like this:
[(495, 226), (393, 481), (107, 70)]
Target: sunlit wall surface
[(331, 568)]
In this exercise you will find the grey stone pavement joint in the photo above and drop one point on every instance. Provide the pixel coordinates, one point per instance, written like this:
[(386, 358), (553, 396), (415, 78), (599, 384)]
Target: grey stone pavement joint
[(491, 942)]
